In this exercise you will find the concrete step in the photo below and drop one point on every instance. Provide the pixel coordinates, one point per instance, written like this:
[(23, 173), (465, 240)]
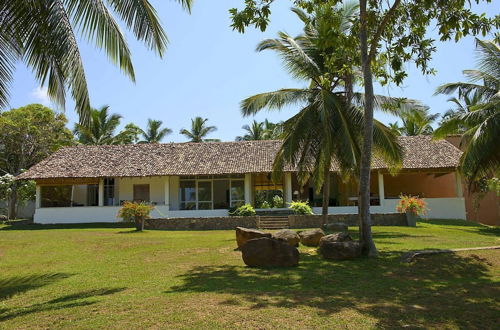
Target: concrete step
[(273, 222)]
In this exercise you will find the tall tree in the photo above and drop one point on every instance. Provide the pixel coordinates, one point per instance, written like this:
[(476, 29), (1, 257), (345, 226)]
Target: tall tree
[(254, 132), (199, 130), (479, 122), (27, 136), (100, 129), (42, 35), (391, 33), (154, 133), (415, 122), (129, 135), (328, 127)]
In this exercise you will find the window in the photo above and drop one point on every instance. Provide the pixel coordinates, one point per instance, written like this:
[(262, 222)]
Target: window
[(237, 193), (216, 192), (56, 196), (205, 195), (141, 193), (92, 195), (187, 195), (109, 192)]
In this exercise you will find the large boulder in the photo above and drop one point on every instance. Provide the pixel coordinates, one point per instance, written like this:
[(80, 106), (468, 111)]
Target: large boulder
[(289, 236), (339, 246), (269, 252), (311, 237), (336, 237), (336, 227), (243, 235)]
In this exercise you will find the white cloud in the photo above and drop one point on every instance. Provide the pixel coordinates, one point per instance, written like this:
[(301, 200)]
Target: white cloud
[(41, 96)]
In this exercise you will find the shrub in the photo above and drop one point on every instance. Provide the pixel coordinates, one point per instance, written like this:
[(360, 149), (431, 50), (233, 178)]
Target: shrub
[(244, 211), (265, 205), (412, 204), (299, 207), (277, 201), (135, 212)]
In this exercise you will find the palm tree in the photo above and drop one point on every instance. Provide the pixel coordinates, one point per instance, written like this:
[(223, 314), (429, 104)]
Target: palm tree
[(154, 133), (199, 130), (42, 35), (481, 123), (273, 131), (254, 132), (328, 127), (416, 121), (100, 129)]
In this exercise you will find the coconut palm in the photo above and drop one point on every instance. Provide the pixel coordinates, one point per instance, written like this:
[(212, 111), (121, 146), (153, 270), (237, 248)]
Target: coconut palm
[(327, 128), (154, 133), (416, 121), (254, 132), (100, 128), (481, 157), (43, 35), (199, 130)]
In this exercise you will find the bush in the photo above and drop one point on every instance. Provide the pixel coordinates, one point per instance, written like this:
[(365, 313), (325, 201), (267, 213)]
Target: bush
[(265, 205), (277, 201), (299, 207), (246, 210), (135, 212), (412, 204)]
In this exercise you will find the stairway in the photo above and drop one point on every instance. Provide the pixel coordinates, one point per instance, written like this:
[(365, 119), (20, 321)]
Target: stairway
[(273, 222)]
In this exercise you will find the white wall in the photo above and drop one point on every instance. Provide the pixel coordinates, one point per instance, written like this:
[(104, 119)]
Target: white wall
[(23, 211), (50, 215), (156, 188), (439, 208)]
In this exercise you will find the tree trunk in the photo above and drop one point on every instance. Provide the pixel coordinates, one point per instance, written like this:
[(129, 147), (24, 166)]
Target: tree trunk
[(326, 195), (12, 207), (365, 231)]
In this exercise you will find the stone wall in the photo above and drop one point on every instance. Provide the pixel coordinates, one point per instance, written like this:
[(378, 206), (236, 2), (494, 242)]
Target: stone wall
[(295, 221), (314, 221), (216, 223)]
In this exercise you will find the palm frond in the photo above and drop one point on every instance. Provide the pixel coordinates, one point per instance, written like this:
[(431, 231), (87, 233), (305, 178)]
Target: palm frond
[(273, 100)]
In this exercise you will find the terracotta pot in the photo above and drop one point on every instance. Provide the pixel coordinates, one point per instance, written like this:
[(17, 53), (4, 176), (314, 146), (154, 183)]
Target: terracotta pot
[(412, 218), (139, 223)]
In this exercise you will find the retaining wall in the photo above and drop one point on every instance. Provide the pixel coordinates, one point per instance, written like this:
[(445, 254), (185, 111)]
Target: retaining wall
[(295, 221)]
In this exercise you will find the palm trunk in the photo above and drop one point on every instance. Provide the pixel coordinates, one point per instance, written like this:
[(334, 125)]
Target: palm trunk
[(365, 231), (12, 207), (326, 195)]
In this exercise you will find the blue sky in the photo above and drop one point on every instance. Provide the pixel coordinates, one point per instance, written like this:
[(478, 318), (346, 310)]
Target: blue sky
[(208, 69)]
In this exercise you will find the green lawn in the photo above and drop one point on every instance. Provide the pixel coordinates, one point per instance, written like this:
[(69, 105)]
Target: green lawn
[(88, 277)]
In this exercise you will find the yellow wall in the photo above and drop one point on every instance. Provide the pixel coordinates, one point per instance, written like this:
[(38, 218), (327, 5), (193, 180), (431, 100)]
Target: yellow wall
[(426, 185)]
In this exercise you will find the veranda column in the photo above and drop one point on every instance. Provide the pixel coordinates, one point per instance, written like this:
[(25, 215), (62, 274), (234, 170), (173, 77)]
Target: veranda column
[(101, 193), (288, 188), (458, 185), (248, 188), (38, 197), (167, 193), (381, 188)]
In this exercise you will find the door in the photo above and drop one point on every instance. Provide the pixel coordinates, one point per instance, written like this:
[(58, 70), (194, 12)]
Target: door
[(141, 193)]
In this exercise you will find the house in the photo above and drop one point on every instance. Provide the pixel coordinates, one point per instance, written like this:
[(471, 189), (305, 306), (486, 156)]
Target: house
[(88, 183)]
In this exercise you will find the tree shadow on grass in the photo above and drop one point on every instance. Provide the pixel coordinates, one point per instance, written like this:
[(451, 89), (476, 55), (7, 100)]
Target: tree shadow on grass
[(84, 298), (435, 291), (96, 225), (19, 284)]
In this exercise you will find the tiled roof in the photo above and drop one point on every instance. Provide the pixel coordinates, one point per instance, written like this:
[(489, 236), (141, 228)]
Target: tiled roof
[(208, 158)]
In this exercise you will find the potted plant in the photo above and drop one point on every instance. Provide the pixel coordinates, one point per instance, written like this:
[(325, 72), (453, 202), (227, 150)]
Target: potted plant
[(413, 206), (136, 212)]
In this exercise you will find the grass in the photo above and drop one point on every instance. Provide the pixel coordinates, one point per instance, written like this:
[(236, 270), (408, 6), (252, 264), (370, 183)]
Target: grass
[(89, 276)]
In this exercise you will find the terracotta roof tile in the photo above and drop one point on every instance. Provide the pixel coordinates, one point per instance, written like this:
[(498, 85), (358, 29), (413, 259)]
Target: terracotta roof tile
[(207, 159)]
